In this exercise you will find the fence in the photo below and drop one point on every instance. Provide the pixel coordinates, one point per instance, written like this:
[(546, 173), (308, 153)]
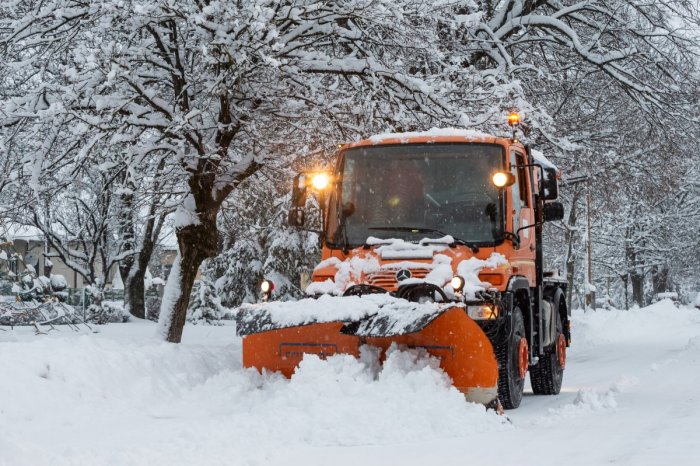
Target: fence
[(79, 297)]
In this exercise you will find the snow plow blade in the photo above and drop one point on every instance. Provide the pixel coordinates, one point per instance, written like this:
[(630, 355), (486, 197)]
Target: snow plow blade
[(447, 333)]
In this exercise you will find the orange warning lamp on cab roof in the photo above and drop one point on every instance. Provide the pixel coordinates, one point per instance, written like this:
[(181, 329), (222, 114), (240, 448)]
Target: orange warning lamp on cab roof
[(514, 119)]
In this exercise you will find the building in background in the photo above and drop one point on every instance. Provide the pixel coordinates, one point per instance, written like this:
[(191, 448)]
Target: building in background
[(24, 245)]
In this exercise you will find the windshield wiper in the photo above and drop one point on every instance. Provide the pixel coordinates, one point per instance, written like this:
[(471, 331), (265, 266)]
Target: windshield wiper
[(342, 228), (462, 242)]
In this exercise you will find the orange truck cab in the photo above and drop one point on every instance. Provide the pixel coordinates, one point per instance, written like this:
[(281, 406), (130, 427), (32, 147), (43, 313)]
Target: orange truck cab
[(453, 217)]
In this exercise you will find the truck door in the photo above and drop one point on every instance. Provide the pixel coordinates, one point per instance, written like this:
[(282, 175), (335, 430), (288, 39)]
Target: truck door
[(523, 216)]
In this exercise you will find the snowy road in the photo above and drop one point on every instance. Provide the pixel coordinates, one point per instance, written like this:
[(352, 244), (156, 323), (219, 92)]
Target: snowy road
[(630, 396)]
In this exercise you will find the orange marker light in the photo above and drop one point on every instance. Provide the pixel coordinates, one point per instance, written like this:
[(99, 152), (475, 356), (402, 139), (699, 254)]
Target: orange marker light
[(514, 119)]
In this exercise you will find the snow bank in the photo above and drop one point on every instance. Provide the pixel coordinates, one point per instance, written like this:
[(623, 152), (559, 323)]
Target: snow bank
[(587, 401), (96, 400), (120, 398), (648, 324)]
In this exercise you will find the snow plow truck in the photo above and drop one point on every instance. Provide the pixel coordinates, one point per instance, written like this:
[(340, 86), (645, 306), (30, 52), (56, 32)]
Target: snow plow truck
[(430, 241)]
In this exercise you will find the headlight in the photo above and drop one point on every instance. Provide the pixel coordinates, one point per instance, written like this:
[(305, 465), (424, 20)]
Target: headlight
[(320, 181), (457, 283), (482, 312), (502, 179), (267, 286)]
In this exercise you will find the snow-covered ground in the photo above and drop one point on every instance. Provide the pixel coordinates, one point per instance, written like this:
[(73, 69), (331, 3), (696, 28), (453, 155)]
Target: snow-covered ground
[(631, 396)]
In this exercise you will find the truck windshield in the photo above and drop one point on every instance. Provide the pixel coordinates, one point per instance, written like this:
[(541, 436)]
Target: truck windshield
[(413, 191)]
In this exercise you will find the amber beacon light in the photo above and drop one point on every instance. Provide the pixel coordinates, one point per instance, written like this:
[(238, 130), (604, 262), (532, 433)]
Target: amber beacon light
[(514, 119)]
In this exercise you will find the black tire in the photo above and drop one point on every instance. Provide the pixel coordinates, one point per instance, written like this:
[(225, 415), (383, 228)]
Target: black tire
[(547, 375), (510, 384)]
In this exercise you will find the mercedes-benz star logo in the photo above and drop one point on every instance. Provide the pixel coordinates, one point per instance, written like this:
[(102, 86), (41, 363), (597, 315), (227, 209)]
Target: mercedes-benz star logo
[(402, 275)]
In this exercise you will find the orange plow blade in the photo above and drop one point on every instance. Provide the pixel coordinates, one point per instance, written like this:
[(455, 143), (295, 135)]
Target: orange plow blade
[(464, 351), (283, 349)]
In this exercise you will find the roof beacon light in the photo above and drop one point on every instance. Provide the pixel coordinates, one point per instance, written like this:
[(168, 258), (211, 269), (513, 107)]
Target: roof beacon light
[(514, 119), (320, 181)]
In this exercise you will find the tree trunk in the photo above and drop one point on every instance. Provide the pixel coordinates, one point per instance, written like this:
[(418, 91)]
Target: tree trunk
[(635, 271), (134, 292), (196, 243), (659, 279), (128, 234), (637, 280), (570, 256)]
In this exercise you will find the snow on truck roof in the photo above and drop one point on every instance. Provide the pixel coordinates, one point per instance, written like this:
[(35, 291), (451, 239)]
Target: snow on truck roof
[(433, 133), (442, 135)]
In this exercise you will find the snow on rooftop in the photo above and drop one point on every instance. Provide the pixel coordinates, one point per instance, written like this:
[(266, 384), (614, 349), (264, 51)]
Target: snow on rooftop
[(432, 133), (13, 231)]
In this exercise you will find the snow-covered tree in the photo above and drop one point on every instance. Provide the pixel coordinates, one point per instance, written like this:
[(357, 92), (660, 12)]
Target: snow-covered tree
[(205, 304), (218, 87), (218, 90), (258, 244), (76, 222)]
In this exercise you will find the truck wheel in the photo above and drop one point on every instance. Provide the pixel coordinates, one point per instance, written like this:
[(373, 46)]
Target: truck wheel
[(546, 376), (512, 356)]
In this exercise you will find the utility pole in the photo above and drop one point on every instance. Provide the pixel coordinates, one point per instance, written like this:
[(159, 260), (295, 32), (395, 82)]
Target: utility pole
[(590, 291)]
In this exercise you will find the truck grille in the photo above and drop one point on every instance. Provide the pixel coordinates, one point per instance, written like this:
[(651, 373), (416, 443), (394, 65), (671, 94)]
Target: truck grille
[(387, 278)]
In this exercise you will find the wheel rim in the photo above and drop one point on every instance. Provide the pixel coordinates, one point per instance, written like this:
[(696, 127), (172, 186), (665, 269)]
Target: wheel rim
[(523, 358), (561, 350)]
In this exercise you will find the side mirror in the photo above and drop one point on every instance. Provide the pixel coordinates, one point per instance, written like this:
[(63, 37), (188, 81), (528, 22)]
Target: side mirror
[(550, 188), (297, 215), (319, 182), (553, 211)]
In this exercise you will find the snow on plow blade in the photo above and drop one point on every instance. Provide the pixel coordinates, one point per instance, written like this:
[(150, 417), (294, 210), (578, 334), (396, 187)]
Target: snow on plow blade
[(275, 339)]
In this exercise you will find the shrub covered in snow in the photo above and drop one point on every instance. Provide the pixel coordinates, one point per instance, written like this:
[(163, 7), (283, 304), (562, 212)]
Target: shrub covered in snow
[(18, 313), (34, 287), (107, 312), (260, 245), (153, 308), (205, 304)]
